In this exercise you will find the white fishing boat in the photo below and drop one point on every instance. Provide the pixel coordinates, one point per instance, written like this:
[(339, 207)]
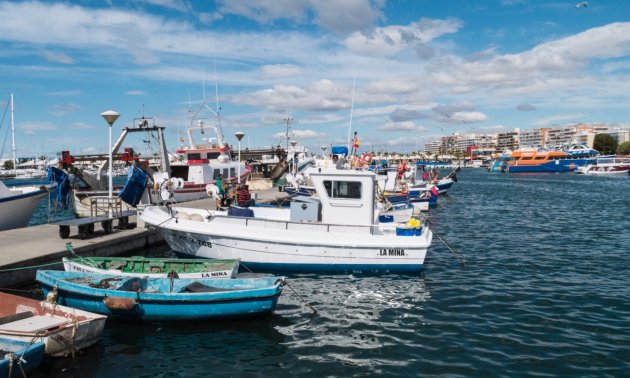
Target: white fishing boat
[(607, 165), (19, 201), (340, 231)]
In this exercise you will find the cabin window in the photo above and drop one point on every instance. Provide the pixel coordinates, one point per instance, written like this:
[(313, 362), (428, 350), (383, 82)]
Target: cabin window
[(216, 173), (225, 173), (540, 158), (232, 172), (343, 189), (194, 156), (213, 155)]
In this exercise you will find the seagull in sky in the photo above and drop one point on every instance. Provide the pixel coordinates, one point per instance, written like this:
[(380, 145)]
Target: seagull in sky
[(580, 5)]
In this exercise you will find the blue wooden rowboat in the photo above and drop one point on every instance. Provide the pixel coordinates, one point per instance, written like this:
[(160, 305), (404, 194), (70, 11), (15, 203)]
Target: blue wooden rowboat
[(162, 299), (19, 358)]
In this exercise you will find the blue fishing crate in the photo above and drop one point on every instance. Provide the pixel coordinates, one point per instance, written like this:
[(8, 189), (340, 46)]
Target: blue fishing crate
[(404, 231), (386, 218), (407, 231)]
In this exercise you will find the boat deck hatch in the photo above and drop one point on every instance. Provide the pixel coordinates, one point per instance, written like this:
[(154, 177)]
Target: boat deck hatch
[(34, 324)]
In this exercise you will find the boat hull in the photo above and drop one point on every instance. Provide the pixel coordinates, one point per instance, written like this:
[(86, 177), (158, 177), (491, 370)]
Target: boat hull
[(154, 302), (31, 355), (16, 211), (62, 330), (292, 246), (183, 269), (566, 165)]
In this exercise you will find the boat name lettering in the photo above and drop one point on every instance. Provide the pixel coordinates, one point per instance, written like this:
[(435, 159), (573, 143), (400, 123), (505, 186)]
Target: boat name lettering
[(196, 241), (392, 252), (213, 274)]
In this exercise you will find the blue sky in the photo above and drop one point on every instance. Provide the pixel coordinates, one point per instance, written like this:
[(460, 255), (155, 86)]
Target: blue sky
[(407, 71)]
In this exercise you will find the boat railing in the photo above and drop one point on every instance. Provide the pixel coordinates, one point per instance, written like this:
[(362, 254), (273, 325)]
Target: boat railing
[(279, 224)]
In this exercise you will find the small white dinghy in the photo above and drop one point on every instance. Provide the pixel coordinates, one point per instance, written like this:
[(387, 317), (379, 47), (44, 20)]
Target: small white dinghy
[(62, 329), (340, 231)]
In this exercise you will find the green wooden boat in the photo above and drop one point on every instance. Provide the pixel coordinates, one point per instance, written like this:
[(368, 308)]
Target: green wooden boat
[(151, 267)]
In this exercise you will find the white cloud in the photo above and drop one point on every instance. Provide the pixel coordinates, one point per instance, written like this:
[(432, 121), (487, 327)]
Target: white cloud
[(135, 92), (322, 95), (391, 40), (340, 16), (301, 134)]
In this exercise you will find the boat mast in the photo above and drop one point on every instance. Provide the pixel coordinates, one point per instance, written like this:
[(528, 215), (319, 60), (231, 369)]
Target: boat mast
[(13, 137)]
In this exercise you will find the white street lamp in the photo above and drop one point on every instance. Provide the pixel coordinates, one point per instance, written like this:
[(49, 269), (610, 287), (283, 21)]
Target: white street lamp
[(239, 135), (110, 117)]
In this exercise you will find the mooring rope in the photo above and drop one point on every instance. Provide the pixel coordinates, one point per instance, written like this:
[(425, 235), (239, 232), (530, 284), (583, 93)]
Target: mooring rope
[(457, 255), (29, 267), (289, 286)]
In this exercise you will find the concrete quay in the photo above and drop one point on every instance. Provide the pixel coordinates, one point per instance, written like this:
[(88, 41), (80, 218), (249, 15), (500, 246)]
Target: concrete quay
[(23, 250)]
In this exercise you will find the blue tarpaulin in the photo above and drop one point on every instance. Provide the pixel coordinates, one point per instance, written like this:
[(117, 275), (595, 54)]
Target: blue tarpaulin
[(59, 196), (339, 150), (136, 183)]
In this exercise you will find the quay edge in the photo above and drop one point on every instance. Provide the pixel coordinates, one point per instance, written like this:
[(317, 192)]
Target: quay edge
[(23, 250)]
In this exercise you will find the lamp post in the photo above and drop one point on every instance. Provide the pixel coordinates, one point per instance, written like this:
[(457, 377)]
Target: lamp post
[(239, 135), (110, 117)]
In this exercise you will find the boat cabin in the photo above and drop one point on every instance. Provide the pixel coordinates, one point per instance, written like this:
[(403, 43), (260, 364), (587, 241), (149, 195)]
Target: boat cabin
[(346, 196)]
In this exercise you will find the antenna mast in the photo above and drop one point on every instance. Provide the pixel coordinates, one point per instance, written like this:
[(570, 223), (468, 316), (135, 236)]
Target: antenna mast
[(13, 137), (351, 108)]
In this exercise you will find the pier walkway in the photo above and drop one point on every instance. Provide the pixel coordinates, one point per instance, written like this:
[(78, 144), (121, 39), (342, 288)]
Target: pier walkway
[(24, 250)]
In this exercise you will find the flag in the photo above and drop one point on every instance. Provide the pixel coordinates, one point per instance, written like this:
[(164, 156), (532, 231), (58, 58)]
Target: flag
[(355, 144)]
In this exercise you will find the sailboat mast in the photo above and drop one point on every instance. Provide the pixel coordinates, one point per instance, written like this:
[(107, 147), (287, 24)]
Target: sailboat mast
[(13, 137)]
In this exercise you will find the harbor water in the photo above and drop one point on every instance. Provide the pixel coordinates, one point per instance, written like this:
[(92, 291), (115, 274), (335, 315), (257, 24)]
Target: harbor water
[(544, 290)]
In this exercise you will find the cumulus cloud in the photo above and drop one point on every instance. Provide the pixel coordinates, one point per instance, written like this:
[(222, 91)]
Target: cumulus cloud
[(549, 65), (339, 16), (390, 40), (322, 95)]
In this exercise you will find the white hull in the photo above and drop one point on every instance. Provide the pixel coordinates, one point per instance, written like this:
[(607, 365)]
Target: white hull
[(269, 242), (62, 329), (75, 266), (17, 208)]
